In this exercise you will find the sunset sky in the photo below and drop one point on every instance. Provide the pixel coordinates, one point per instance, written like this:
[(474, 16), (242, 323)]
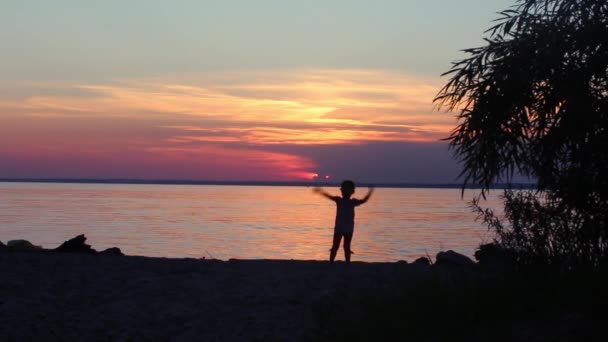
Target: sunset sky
[(269, 90)]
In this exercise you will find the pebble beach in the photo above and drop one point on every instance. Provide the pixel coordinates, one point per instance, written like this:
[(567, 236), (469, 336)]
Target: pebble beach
[(66, 296)]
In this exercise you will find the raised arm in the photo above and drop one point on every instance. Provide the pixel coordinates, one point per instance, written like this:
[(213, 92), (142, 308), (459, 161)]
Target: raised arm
[(370, 191), (323, 193)]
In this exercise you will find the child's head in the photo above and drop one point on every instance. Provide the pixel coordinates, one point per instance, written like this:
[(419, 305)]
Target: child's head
[(347, 188)]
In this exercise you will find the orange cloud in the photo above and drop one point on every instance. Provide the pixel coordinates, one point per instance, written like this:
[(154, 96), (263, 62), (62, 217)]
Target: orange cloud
[(318, 100), (290, 136)]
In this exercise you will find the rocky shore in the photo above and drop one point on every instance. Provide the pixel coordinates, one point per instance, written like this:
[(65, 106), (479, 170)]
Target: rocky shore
[(106, 296)]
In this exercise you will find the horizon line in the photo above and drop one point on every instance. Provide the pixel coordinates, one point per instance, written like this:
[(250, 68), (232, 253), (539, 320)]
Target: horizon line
[(257, 183)]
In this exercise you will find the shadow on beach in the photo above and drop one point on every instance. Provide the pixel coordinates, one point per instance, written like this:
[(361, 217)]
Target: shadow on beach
[(84, 296)]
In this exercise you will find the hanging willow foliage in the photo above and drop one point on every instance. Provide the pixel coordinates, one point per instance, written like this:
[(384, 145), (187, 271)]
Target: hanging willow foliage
[(533, 101)]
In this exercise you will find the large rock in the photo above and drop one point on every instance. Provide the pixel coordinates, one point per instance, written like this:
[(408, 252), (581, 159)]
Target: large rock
[(75, 245), (452, 258), (21, 246)]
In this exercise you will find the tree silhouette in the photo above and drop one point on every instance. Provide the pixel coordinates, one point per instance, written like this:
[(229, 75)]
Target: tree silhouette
[(534, 101)]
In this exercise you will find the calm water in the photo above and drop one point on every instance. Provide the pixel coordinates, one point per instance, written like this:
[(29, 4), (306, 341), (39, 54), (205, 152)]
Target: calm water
[(238, 221)]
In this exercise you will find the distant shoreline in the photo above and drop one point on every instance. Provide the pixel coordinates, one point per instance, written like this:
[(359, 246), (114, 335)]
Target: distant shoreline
[(253, 183)]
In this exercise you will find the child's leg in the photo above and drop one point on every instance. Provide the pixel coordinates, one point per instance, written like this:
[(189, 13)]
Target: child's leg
[(335, 245), (347, 252)]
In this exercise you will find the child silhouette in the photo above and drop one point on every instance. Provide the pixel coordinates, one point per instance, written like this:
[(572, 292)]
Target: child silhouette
[(345, 216)]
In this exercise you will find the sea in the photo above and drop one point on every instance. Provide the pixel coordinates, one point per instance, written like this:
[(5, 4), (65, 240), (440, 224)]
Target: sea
[(241, 221)]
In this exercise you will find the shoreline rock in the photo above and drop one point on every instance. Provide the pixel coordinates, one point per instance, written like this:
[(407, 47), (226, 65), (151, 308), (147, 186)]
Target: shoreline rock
[(112, 251), (22, 245), (74, 245), (453, 259), (422, 261)]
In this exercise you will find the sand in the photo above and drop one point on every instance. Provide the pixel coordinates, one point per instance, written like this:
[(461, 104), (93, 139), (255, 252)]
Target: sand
[(54, 296)]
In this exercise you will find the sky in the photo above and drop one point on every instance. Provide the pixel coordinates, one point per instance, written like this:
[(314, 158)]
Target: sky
[(227, 90)]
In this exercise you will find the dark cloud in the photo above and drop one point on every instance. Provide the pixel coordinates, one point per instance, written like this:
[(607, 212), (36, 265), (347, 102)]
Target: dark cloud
[(393, 162)]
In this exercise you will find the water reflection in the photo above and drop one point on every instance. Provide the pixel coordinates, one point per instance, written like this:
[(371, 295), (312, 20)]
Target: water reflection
[(237, 221)]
